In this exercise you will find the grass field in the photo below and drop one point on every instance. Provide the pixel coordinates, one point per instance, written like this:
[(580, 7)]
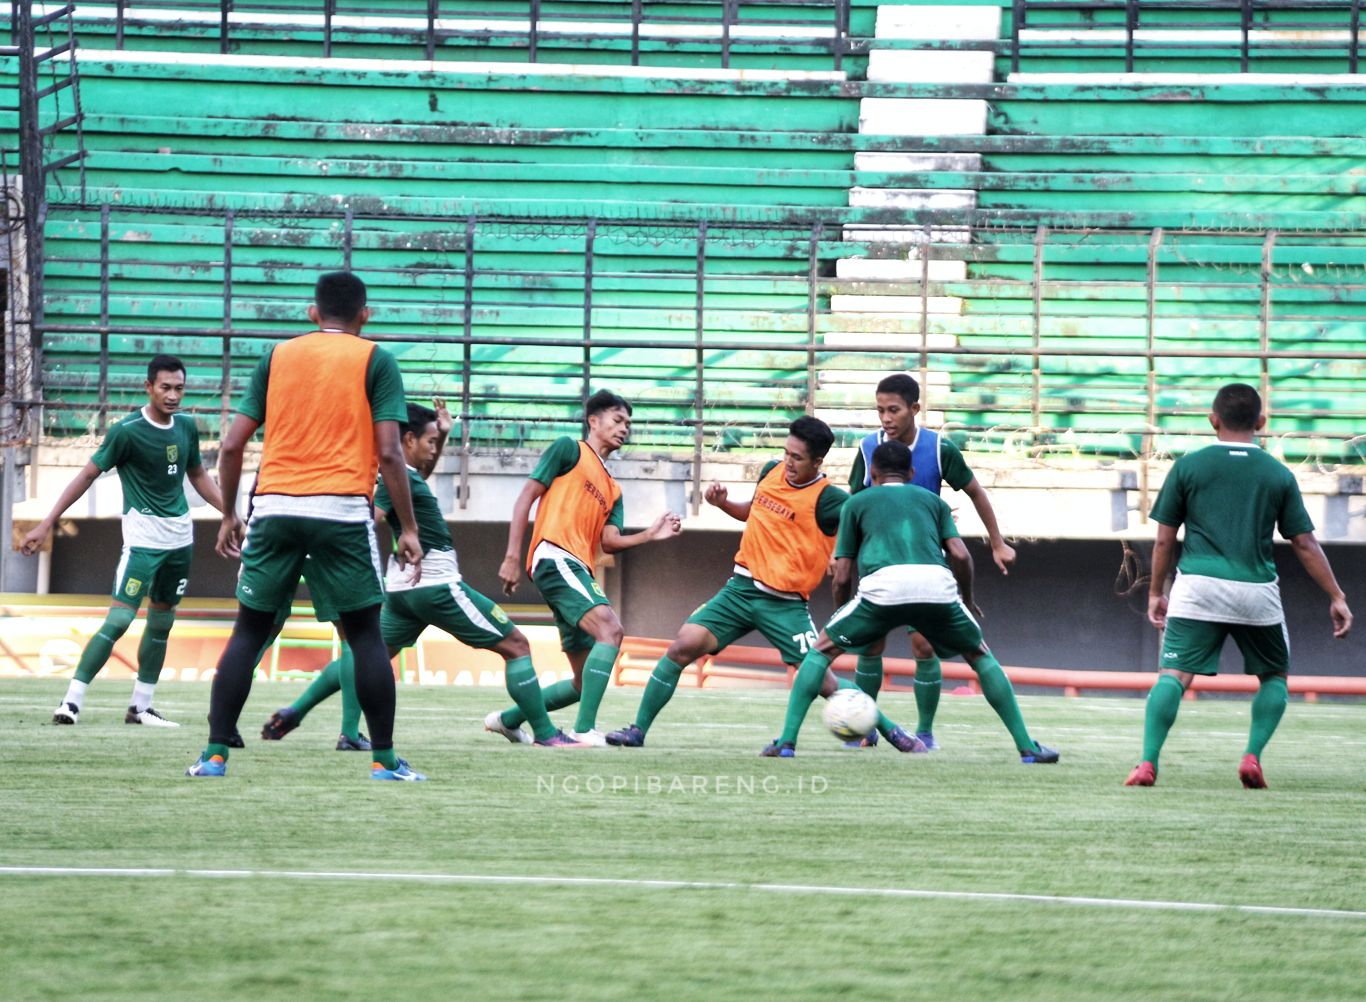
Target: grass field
[(715, 874)]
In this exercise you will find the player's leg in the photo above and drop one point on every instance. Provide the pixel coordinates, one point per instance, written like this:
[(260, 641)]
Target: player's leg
[(600, 623), (929, 682), (131, 580), (1266, 654), (692, 642), (1189, 648), (868, 672), (169, 581)]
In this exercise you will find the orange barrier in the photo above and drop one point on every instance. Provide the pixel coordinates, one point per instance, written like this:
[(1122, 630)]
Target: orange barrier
[(762, 665)]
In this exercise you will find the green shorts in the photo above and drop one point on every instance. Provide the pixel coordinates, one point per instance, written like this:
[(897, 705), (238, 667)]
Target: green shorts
[(158, 575), (343, 574), (569, 589), (741, 606), (456, 608), (1193, 645), (320, 609), (948, 626)]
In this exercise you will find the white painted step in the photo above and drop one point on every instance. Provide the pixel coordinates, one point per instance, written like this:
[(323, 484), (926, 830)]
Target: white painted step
[(896, 116), (913, 198), (934, 21), (931, 66), (897, 305), (913, 162), (907, 269)]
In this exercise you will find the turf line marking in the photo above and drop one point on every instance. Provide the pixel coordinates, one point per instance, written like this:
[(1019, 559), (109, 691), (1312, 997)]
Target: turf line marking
[(690, 885)]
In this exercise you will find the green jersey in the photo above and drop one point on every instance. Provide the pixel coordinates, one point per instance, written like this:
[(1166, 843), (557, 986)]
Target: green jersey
[(439, 565), (152, 461), (896, 533), (1231, 497)]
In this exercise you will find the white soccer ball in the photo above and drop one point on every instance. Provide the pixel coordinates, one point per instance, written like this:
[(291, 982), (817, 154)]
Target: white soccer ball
[(850, 714)]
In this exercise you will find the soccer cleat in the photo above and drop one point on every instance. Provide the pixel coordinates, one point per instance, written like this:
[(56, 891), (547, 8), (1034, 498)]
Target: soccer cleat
[(595, 738), (869, 740), (927, 739), (493, 723), (358, 743), (903, 741), (66, 713), (775, 750), (1144, 774), (560, 740), (402, 774), (629, 736), (148, 718), (214, 765), (281, 722), (1250, 772), (236, 740), (1039, 755)]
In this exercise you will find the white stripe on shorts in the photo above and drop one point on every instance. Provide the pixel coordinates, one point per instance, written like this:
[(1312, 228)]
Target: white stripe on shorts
[(472, 612)]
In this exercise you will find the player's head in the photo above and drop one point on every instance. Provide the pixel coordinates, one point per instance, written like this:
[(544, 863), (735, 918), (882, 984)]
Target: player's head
[(607, 418), (808, 441), (339, 301), (419, 434), (165, 384), (898, 402), (1237, 408), (891, 463)]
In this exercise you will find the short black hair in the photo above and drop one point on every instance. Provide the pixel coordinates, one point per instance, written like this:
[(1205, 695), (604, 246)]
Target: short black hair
[(418, 419), (893, 457), (1238, 407), (903, 384), (164, 363), (815, 433), (604, 400), (339, 295)]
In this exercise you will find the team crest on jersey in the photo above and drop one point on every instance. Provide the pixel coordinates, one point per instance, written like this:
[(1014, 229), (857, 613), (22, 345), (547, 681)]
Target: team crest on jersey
[(132, 587), (172, 453), (499, 614)]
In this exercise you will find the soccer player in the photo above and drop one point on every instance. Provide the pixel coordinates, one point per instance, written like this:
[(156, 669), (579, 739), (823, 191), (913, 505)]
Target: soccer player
[(154, 449), (936, 460), (789, 534), (443, 599), (331, 403), (1231, 497), (580, 510), (900, 538)]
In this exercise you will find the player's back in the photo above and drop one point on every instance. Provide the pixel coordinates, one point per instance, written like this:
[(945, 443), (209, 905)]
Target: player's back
[(899, 524)]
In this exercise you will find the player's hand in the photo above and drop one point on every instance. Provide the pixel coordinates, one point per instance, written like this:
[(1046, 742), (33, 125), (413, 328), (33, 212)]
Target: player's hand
[(1004, 555), (510, 573), (34, 540), (666, 526), (976, 610), (716, 494), (409, 553), (1157, 611), (231, 532), (1342, 617), (444, 421)]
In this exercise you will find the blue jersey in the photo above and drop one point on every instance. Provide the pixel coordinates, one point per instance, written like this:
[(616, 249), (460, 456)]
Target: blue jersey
[(924, 458)]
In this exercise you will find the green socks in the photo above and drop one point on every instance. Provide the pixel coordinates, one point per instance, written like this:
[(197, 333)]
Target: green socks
[(152, 650), (325, 685), (658, 691), (597, 672), (929, 682), (525, 690), (220, 750), (350, 722), (868, 674), (1164, 699), (1001, 695), (387, 758), (556, 697), (1267, 709), (101, 645), (805, 688)]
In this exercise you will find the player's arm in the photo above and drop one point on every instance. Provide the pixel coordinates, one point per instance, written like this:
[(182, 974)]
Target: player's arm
[(717, 496), (858, 474), (1164, 555), (1001, 551), (842, 584), (444, 424), (666, 526), (960, 563), (206, 486), (395, 473), (71, 493), (230, 453), (510, 572), (1315, 562)]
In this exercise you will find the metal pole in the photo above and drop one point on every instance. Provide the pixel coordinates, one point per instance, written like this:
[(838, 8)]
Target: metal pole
[(224, 8), (1264, 320), (431, 30), (925, 308), (467, 368), (1353, 36), (225, 402), (348, 237), (727, 16), (329, 10), (589, 237), (1247, 31), (699, 400), (1017, 23), (531, 33), (636, 14), (104, 318), (1036, 365), (812, 278), (1130, 24), (1154, 242)]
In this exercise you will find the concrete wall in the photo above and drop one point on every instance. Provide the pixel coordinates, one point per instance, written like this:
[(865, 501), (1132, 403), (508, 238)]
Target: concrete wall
[(1057, 609)]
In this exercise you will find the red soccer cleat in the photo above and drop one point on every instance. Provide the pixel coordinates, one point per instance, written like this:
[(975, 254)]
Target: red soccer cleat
[(1144, 774), (1250, 772)]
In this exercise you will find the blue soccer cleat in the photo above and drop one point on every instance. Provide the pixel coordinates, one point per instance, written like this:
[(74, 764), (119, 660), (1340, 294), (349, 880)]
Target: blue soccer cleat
[(1039, 755), (629, 736), (869, 740), (402, 774), (775, 750), (927, 739), (905, 742), (214, 765)]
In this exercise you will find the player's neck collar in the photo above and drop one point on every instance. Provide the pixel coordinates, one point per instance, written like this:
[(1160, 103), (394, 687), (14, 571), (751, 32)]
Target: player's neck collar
[(816, 479), (147, 416)]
